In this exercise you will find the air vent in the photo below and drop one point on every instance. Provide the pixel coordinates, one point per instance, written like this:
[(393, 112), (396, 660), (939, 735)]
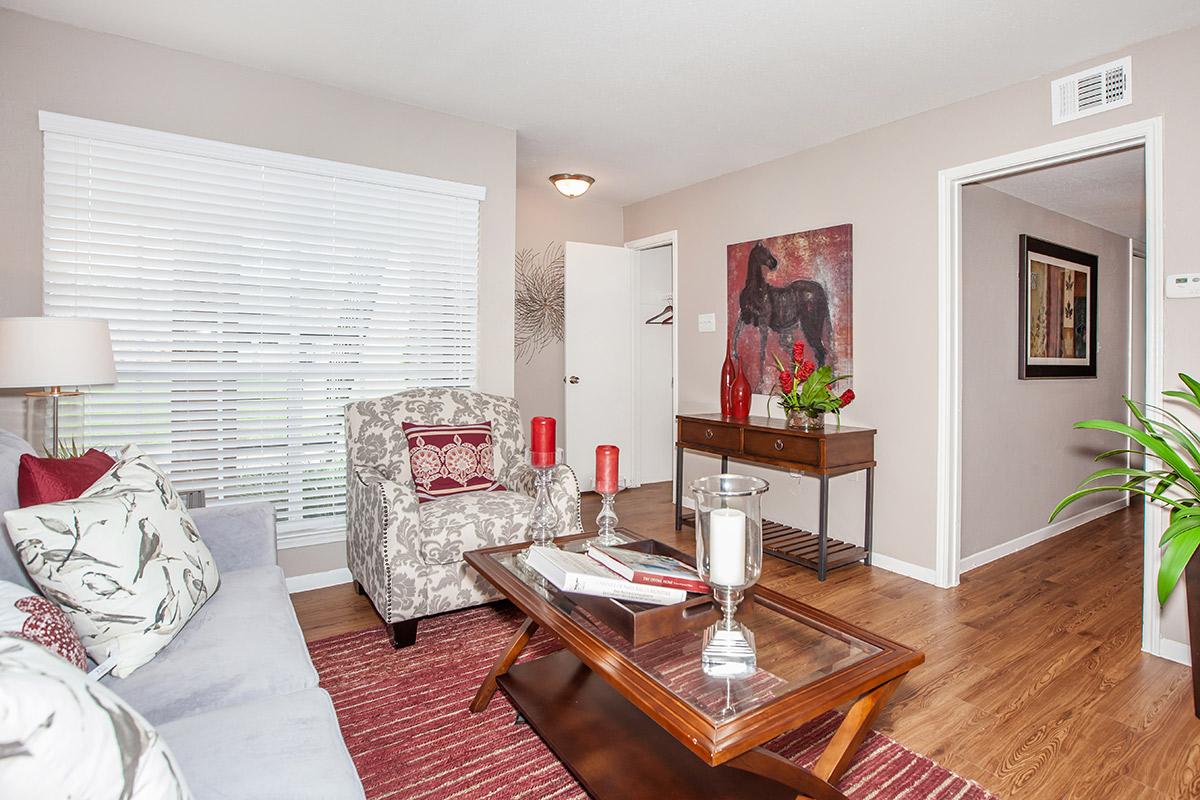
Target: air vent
[(1091, 91)]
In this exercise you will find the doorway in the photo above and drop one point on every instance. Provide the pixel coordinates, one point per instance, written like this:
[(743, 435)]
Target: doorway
[(620, 348), (952, 182)]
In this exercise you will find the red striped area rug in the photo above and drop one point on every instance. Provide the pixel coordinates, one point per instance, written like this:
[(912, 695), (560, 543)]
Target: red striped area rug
[(405, 720)]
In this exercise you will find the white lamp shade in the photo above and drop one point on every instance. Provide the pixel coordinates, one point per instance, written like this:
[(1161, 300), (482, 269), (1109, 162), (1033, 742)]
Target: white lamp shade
[(55, 351)]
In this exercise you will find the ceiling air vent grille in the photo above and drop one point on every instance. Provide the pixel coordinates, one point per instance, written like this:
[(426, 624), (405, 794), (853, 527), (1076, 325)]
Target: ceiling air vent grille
[(1091, 91)]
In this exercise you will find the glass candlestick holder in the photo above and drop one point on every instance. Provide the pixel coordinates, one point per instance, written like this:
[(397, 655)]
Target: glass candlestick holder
[(606, 520), (729, 559), (543, 520)]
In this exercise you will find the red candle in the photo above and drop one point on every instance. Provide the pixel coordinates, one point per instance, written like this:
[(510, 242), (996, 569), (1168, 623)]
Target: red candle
[(606, 468), (543, 453)]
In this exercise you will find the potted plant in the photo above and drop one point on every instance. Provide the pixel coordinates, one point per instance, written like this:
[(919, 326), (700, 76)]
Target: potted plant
[(806, 392), (1171, 478)]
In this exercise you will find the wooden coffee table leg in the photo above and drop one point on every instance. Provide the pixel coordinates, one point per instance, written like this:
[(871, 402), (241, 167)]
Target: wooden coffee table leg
[(519, 640), (763, 762), (819, 783), (854, 728)]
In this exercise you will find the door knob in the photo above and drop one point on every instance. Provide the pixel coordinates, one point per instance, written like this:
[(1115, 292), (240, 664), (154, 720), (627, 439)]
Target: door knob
[(572, 379)]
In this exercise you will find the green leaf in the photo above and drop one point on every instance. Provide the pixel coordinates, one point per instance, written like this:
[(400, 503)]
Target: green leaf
[(1181, 525), (1118, 451), (1183, 396), (1174, 558), (1078, 493), (1192, 384), (1153, 444), (1187, 444)]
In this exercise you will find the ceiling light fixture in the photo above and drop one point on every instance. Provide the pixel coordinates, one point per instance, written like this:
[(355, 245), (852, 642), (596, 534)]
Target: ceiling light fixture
[(570, 185)]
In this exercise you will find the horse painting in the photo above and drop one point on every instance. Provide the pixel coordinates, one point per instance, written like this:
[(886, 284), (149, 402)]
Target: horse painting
[(798, 308)]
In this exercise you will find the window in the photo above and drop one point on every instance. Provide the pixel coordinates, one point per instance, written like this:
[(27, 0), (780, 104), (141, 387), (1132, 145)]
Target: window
[(251, 295)]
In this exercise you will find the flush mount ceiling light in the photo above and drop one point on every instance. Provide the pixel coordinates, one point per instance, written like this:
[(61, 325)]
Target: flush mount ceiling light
[(570, 185)]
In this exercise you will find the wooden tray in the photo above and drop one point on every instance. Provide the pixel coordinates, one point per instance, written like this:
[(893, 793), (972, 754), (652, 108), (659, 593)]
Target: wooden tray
[(640, 623)]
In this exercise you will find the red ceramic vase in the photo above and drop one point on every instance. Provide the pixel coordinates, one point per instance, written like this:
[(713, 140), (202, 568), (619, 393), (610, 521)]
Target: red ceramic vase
[(727, 375), (739, 395)]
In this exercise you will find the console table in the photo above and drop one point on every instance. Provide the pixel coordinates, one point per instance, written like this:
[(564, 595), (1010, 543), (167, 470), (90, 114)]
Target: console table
[(821, 454)]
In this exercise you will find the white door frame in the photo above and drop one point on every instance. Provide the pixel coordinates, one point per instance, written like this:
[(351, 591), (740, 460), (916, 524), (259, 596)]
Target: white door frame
[(1147, 133), (637, 245)]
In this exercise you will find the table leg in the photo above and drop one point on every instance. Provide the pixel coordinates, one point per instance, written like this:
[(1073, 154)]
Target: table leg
[(488, 688), (823, 528), (761, 761), (869, 529), (854, 728), (724, 464), (678, 487)]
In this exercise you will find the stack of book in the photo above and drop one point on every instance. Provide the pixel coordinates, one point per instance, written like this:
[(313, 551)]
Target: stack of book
[(618, 573)]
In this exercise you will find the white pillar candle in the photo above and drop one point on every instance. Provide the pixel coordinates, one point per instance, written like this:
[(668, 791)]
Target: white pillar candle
[(726, 547)]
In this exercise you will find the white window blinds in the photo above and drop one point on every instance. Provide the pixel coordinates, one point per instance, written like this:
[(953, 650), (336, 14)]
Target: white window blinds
[(251, 295)]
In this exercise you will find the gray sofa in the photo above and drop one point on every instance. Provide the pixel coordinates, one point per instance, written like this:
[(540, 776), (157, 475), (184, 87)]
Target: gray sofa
[(235, 694)]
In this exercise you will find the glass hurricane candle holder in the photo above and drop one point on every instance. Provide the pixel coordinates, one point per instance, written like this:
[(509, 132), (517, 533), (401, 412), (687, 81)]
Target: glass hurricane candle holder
[(606, 520), (729, 559), (543, 520)]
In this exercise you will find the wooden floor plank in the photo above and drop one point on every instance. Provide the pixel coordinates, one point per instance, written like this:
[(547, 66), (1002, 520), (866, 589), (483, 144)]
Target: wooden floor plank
[(1034, 684)]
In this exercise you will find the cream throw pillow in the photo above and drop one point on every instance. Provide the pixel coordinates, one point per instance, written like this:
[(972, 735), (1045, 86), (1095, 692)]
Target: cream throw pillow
[(124, 561), (62, 735)]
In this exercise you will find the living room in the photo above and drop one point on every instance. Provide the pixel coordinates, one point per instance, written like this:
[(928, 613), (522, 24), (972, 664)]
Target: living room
[(679, 280)]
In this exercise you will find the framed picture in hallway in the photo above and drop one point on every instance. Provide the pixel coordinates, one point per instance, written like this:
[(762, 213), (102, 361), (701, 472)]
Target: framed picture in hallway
[(788, 289), (1058, 311)]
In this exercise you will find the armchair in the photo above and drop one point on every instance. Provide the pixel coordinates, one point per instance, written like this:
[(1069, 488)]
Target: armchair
[(408, 556)]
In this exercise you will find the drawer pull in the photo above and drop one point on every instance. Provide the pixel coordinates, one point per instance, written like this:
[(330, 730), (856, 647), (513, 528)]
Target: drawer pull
[(708, 434), (779, 444)]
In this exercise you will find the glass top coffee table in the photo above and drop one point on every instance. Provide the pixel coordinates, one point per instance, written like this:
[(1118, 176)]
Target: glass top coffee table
[(647, 722)]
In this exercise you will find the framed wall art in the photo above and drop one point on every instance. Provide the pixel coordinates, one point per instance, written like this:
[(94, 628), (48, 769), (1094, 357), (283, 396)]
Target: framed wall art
[(1058, 311)]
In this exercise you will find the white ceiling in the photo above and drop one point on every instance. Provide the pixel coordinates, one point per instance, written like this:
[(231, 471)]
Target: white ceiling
[(1105, 191), (647, 95)]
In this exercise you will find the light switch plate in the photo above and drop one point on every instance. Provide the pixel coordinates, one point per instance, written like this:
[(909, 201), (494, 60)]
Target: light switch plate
[(707, 322), (1184, 285)]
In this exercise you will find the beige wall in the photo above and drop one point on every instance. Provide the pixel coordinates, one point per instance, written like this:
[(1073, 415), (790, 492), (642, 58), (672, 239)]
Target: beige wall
[(1020, 454), (884, 181), (543, 217), (49, 66)]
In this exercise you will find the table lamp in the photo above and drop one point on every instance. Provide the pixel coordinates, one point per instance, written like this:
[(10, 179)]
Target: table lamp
[(54, 352)]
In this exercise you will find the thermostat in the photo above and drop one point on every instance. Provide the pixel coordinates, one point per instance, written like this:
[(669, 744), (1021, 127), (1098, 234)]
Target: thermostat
[(1184, 285)]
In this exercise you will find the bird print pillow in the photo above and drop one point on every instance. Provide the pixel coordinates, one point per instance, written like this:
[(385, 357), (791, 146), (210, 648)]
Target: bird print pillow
[(124, 561), (62, 735)]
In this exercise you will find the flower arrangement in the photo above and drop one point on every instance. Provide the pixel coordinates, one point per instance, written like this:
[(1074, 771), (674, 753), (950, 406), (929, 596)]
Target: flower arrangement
[(806, 391)]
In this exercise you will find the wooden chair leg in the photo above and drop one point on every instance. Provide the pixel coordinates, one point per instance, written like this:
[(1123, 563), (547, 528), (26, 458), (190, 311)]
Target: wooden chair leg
[(403, 633), (359, 589)]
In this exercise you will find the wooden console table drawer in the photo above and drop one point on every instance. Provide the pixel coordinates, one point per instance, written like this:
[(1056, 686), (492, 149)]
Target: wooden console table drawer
[(794, 449), (724, 437)]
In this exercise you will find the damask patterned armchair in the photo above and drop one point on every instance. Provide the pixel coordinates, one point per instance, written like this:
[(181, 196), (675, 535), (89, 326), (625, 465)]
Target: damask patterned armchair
[(408, 556)]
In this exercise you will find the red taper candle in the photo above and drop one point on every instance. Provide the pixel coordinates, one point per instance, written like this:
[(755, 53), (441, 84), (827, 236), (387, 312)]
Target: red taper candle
[(607, 456), (542, 451)]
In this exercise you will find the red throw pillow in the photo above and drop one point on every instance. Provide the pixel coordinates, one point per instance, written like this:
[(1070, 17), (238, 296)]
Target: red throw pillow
[(24, 614), (52, 480), (451, 459)]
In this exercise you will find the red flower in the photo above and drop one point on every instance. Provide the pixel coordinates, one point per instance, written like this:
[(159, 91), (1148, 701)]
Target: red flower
[(846, 398), (806, 370), (798, 352), (786, 382)]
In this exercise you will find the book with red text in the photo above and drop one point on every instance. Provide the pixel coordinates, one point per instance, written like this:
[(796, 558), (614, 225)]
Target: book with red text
[(648, 569)]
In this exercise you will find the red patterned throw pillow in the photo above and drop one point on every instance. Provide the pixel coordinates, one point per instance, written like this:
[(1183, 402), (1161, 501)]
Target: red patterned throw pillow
[(451, 459), (24, 614), (52, 480)]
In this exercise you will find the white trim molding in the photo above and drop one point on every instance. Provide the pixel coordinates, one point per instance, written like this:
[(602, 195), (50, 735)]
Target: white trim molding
[(52, 122), (1179, 652), (318, 580), (1040, 535), (1147, 134), (915, 571)]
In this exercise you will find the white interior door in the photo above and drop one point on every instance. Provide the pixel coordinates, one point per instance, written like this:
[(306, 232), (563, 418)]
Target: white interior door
[(598, 356)]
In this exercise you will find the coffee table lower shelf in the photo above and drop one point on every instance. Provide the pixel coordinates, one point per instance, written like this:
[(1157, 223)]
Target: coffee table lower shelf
[(614, 750)]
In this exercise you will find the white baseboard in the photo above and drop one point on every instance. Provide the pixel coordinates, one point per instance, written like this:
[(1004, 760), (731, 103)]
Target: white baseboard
[(1179, 652), (915, 571), (1040, 535), (318, 580)]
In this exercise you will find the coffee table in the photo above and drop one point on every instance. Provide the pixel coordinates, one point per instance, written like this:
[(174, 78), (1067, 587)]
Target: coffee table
[(647, 722)]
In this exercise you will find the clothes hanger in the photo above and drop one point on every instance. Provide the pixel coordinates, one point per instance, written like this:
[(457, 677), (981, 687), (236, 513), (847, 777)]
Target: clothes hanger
[(658, 319)]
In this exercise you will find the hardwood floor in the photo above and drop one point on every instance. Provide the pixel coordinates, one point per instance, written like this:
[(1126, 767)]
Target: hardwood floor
[(1034, 684)]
